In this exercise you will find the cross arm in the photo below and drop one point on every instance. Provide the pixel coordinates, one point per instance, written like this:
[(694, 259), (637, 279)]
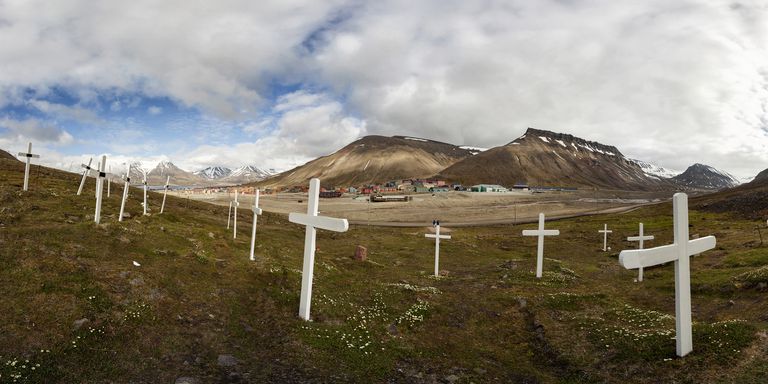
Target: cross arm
[(322, 222), (257, 211), (638, 238), (535, 232), (636, 258), (700, 245), (28, 155), (431, 236)]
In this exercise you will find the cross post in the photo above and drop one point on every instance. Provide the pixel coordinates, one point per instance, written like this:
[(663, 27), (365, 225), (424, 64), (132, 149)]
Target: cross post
[(437, 236), (680, 252), (312, 221), (165, 192), (641, 239), (125, 193), (29, 155), (540, 233), (256, 212), (605, 233), (100, 188), (86, 171)]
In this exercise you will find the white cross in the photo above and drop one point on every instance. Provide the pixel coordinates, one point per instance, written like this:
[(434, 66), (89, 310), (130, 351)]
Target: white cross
[(86, 171), (165, 192), (29, 155), (109, 181), (641, 239), (98, 180), (605, 233), (125, 193), (437, 236), (233, 204), (312, 221), (679, 252), (540, 250), (256, 212), (144, 181), (100, 188)]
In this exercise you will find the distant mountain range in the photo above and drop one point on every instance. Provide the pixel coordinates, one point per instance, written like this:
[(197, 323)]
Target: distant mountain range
[(207, 177), (537, 158), (747, 200)]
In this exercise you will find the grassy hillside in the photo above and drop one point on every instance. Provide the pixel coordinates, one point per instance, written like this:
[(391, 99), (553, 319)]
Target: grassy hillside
[(196, 298)]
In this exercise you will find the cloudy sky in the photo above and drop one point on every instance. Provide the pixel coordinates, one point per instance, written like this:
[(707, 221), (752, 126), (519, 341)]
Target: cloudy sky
[(277, 83)]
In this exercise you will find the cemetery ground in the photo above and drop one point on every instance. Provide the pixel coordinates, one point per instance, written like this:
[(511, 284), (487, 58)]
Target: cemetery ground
[(75, 307)]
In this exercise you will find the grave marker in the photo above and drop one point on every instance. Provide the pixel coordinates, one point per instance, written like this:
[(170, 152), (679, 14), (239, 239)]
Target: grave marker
[(144, 181), (312, 221), (680, 252), (437, 236), (109, 181), (165, 193), (640, 239), (86, 171), (605, 233), (29, 155), (540, 249), (125, 193), (234, 226), (100, 188), (256, 212)]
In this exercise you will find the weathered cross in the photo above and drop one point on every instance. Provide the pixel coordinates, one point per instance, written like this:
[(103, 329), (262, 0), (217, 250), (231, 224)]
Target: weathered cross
[(605, 233), (144, 181), (86, 171), (679, 252), (165, 192), (437, 236), (125, 193), (29, 155), (100, 188), (256, 212), (541, 232), (641, 239), (312, 221)]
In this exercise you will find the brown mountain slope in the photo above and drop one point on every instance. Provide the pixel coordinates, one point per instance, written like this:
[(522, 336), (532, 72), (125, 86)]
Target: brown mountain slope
[(6, 155), (544, 158), (747, 200), (374, 159)]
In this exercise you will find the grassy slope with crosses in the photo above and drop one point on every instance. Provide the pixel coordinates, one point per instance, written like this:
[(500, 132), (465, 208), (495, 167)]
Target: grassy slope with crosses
[(196, 296)]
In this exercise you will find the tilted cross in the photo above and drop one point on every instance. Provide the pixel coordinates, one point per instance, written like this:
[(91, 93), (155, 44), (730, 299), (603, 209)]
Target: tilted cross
[(100, 188), (605, 233), (256, 212), (312, 221), (144, 181), (29, 155), (641, 239), (541, 232), (125, 193), (86, 172), (679, 252), (437, 236), (165, 192)]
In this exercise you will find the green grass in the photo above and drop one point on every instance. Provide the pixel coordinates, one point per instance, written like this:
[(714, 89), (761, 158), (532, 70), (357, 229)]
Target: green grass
[(488, 319)]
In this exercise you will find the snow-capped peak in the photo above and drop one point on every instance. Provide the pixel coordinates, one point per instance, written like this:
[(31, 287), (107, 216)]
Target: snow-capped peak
[(651, 169), (215, 172)]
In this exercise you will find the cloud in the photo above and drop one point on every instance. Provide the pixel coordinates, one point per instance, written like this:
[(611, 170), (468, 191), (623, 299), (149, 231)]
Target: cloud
[(154, 110), (671, 82), (32, 130)]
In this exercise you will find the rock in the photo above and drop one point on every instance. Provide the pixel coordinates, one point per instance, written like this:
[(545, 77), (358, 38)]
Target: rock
[(761, 286), (211, 235), (480, 371), (392, 329), (451, 379), (137, 281), (444, 273), (227, 361), (361, 253), (187, 380), (126, 215), (77, 324)]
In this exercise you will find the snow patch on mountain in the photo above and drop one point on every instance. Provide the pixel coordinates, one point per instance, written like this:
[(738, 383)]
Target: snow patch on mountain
[(654, 170)]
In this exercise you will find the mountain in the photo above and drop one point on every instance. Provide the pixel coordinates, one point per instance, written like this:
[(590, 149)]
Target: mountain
[(702, 176), (159, 174), (247, 174), (213, 173), (748, 200), (6, 155), (544, 158), (374, 159), (654, 170)]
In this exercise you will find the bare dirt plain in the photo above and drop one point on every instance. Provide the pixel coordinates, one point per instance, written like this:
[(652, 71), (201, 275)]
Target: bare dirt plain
[(451, 208)]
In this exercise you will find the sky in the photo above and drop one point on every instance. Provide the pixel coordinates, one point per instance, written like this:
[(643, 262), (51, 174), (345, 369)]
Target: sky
[(277, 83)]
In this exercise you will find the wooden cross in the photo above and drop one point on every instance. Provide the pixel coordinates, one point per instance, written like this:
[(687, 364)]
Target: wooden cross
[(437, 236), (312, 221), (100, 188), (144, 181), (125, 193), (256, 212), (605, 233), (679, 252), (29, 155), (165, 192), (86, 172), (641, 239), (540, 250), (109, 181)]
